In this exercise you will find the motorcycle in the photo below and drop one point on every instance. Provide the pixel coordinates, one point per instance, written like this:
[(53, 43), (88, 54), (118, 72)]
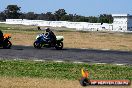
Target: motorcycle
[(42, 41), (6, 43)]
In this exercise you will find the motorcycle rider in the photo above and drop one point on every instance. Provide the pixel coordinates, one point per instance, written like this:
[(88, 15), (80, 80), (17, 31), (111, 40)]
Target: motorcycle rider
[(50, 36), (1, 37)]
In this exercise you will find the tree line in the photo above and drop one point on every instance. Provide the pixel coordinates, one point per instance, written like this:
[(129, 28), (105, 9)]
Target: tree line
[(14, 12)]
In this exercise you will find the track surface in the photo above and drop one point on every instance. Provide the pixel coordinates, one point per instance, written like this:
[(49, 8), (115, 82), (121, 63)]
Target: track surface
[(79, 55)]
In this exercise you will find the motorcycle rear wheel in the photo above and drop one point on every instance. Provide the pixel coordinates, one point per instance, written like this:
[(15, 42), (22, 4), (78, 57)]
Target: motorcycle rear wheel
[(7, 45), (59, 45)]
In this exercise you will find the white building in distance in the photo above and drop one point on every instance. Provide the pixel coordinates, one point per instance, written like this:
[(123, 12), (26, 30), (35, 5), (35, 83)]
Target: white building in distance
[(121, 22)]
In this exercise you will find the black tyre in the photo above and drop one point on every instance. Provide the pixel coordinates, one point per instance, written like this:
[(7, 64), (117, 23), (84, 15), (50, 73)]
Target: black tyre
[(7, 45), (59, 45), (37, 45), (84, 82)]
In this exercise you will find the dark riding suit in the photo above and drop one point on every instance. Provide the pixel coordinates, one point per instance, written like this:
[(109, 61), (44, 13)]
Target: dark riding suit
[(51, 36)]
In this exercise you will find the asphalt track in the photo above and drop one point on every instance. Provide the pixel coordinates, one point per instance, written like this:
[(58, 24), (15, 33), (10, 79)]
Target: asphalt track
[(67, 54)]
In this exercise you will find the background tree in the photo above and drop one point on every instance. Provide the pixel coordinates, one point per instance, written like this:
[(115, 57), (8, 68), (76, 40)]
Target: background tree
[(12, 12), (41, 16), (66, 18), (105, 18), (22, 16), (31, 16), (59, 14), (93, 19), (2, 16), (71, 17), (49, 16)]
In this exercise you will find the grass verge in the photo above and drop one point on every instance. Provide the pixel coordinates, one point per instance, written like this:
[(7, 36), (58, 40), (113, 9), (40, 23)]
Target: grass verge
[(69, 71), (26, 82)]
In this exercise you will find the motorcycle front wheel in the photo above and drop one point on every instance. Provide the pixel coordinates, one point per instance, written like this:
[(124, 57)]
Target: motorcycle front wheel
[(37, 45)]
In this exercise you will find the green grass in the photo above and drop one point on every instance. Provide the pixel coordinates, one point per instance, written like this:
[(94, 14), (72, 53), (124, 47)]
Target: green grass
[(27, 29), (31, 28), (65, 70)]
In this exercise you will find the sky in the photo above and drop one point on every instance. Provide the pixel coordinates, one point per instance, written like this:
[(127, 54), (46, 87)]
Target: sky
[(79, 7)]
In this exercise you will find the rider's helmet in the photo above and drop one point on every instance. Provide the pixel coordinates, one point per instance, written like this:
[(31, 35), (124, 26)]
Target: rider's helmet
[(47, 29)]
